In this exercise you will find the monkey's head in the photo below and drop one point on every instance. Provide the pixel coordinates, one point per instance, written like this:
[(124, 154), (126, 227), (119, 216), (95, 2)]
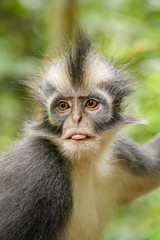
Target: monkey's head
[(80, 94)]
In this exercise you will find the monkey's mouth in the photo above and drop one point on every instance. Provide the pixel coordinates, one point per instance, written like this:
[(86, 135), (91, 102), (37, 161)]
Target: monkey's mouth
[(79, 137)]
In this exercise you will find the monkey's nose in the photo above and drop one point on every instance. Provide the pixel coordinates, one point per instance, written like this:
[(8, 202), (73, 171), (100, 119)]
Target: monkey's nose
[(76, 116)]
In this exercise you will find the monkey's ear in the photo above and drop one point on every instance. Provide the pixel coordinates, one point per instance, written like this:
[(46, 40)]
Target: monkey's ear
[(123, 112), (127, 120)]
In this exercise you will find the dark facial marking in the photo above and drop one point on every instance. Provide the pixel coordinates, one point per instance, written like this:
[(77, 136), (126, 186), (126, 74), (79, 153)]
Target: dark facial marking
[(56, 100), (50, 128), (117, 89), (98, 96), (45, 89), (103, 114)]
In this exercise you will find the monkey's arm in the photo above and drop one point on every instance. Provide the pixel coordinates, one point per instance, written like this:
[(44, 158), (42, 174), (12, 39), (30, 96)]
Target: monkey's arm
[(35, 191), (140, 166)]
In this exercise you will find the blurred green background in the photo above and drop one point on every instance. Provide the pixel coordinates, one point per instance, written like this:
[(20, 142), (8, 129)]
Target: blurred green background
[(128, 30)]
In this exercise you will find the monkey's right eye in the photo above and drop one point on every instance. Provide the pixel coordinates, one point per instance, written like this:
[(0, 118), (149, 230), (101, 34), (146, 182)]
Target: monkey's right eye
[(62, 106)]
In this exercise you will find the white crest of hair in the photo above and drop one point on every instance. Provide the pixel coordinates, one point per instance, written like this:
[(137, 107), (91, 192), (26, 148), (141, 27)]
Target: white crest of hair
[(57, 74), (97, 69)]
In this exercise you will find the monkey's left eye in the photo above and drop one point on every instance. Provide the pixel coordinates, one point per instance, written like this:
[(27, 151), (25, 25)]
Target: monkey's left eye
[(91, 103), (62, 106)]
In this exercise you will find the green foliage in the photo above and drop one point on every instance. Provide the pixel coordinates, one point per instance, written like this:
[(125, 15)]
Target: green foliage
[(125, 29)]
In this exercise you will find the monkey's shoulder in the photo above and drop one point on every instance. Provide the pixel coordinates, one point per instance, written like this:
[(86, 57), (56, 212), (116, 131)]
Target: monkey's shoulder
[(33, 150), (35, 191), (32, 160), (137, 158)]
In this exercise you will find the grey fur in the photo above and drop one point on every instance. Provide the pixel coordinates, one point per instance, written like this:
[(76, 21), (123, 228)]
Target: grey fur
[(139, 159), (35, 196)]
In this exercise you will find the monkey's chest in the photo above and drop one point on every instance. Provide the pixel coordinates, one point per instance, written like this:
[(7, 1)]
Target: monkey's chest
[(92, 208)]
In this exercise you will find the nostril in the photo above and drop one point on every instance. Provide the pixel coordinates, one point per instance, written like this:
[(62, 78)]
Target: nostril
[(80, 119), (77, 118)]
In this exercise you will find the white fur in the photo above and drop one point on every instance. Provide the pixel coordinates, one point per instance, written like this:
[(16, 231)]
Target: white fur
[(97, 70), (94, 201), (94, 193), (57, 73)]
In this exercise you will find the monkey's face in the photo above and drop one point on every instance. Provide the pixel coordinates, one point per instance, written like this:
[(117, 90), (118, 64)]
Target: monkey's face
[(81, 94), (84, 119)]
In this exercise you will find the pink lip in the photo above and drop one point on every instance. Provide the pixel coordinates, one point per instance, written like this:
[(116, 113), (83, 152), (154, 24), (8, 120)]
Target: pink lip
[(78, 137)]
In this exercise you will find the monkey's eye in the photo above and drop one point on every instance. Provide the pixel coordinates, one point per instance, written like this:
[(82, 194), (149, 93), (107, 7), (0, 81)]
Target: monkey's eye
[(62, 106), (91, 103)]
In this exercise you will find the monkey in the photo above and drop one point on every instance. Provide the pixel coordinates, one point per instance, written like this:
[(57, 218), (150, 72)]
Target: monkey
[(71, 166)]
